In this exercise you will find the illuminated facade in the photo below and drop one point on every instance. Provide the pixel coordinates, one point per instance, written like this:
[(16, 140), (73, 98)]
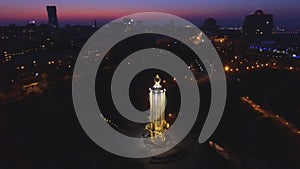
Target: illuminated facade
[(157, 123)]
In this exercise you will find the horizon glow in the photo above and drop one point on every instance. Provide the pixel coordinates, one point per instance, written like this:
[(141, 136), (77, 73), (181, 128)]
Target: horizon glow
[(75, 11)]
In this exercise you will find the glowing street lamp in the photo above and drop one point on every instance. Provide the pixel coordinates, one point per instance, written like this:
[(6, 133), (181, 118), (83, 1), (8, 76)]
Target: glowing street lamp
[(226, 68)]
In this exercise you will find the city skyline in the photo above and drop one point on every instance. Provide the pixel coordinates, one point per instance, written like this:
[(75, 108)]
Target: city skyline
[(227, 13), (148, 90)]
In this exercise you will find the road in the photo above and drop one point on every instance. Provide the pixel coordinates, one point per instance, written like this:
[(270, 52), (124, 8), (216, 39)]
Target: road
[(269, 114)]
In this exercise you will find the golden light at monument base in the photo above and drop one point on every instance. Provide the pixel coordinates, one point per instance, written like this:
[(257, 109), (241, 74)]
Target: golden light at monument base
[(157, 124)]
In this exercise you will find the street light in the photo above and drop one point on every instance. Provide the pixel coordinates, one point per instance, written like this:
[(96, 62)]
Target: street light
[(226, 68)]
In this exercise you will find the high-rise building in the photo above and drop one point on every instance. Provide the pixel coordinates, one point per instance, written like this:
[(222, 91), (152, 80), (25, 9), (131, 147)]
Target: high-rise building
[(52, 16), (210, 27), (157, 123), (258, 26)]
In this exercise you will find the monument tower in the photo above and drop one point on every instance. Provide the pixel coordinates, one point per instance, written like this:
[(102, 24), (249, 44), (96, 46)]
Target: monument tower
[(157, 123)]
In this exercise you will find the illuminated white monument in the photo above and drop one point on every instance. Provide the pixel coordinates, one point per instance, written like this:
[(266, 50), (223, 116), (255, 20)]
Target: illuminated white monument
[(157, 123)]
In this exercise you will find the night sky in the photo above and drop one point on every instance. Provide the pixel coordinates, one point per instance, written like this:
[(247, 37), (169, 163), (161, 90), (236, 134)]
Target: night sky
[(226, 12)]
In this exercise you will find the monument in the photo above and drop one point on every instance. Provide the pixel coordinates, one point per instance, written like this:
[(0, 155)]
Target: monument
[(157, 124)]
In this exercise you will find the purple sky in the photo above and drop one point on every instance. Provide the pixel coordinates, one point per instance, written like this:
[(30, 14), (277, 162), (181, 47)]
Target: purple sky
[(226, 12)]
